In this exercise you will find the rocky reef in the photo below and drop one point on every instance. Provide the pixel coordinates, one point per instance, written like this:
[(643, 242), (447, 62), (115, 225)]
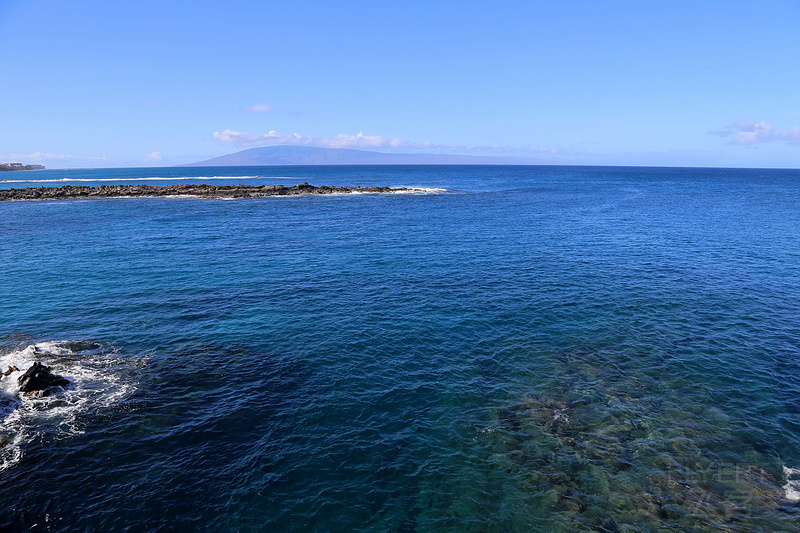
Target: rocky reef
[(40, 381), (200, 190), (603, 448)]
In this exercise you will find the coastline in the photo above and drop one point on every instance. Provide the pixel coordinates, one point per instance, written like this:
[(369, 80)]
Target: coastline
[(15, 167), (70, 192)]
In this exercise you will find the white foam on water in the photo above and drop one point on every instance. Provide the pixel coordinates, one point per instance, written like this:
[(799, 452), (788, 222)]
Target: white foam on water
[(168, 197), (422, 190), (97, 380), (792, 487), (408, 190)]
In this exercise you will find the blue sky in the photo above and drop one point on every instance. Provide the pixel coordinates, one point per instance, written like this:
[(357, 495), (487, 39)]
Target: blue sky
[(146, 83)]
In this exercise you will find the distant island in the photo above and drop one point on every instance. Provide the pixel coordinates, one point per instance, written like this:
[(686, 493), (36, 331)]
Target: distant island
[(307, 155), (19, 166), (68, 192)]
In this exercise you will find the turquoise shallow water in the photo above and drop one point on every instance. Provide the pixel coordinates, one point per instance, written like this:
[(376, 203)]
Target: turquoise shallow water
[(535, 349)]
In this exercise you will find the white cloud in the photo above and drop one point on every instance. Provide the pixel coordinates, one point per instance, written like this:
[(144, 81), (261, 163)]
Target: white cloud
[(259, 108), (52, 160), (154, 156), (36, 157), (337, 141), (376, 142), (363, 141), (758, 132)]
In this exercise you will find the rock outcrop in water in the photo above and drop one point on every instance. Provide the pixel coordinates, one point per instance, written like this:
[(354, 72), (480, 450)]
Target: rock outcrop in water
[(202, 190), (39, 380)]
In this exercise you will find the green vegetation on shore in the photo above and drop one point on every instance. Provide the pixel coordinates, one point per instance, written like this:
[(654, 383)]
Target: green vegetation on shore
[(19, 166)]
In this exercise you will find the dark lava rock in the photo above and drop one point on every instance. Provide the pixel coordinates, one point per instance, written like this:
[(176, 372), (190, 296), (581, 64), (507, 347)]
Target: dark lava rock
[(39, 378), (201, 190)]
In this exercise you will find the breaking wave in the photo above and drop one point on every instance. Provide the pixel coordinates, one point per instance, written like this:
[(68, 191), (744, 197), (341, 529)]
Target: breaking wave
[(98, 378), (792, 486)]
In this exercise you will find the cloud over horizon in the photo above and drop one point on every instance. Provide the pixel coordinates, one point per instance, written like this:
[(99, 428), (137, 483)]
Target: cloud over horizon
[(379, 143), (44, 157), (246, 140), (340, 140), (37, 157), (745, 132)]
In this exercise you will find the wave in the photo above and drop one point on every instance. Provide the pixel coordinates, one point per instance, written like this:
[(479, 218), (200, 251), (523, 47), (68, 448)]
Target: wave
[(422, 190), (792, 486), (97, 379), (408, 190)]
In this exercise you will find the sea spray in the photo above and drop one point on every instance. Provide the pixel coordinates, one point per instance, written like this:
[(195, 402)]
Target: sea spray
[(792, 486)]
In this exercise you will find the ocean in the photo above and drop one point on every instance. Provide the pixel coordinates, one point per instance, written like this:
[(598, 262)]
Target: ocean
[(550, 349)]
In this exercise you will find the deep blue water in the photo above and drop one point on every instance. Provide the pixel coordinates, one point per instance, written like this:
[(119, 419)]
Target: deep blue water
[(534, 349)]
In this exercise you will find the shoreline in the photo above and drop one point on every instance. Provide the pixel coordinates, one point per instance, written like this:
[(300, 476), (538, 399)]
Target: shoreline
[(72, 192)]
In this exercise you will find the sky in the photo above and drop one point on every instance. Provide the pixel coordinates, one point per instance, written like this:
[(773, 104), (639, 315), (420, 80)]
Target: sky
[(91, 83)]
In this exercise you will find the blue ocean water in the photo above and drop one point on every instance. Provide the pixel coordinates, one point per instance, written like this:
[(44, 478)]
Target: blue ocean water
[(528, 349)]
